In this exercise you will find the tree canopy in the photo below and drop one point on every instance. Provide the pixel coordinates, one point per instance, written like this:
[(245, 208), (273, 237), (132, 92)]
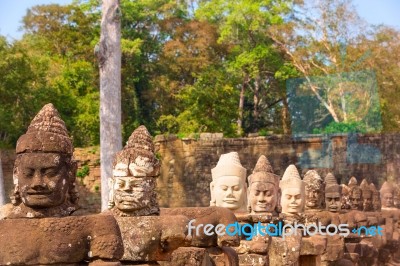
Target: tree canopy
[(237, 67)]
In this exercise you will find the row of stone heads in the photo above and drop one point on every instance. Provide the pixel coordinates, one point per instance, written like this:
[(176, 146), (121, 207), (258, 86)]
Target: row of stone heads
[(44, 178), (266, 192)]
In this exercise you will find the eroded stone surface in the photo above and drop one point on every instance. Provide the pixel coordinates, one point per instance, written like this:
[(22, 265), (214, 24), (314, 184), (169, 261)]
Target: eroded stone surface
[(293, 191), (152, 238), (59, 240)]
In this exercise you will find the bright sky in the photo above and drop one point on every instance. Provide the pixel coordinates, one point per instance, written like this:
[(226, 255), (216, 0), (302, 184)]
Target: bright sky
[(11, 13)]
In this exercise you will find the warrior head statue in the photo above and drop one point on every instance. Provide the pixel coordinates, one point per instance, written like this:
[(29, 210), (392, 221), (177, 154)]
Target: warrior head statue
[(263, 191), (135, 168)]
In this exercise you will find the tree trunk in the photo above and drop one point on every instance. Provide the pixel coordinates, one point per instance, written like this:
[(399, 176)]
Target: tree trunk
[(256, 102), (2, 191), (109, 55), (286, 123), (241, 107)]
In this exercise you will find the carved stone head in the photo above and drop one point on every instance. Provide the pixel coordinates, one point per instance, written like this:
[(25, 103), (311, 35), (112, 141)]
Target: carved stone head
[(333, 193), (263, 191), (293, 191), (376, 197), (132, 188), (314, 190), (44, 170), (387, 192), (366, 196), (228, 188), (355, 195)]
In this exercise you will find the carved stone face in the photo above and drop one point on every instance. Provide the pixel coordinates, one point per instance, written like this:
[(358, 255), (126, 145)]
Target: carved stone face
[(356, 201), (131, 194), (229, 192), (332, 201), (376, 202), (263, 197), (314, 198), (42, 179), (387, 200), (367, 203), (292, 201)]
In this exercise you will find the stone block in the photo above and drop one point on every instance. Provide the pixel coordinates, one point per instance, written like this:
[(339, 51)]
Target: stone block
[(313, 245), (253, 260)]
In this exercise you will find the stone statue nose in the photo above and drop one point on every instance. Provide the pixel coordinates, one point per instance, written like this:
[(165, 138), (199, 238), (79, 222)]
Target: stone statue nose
[(37, 180)]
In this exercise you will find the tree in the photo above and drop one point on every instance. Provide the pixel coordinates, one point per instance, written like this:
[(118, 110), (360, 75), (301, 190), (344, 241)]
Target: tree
[(2, 190), (109, 56), (323, 43), (253, 59)]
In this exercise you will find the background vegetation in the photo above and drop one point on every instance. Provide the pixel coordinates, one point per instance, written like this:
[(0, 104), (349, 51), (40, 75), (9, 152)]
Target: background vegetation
[(196, 66)]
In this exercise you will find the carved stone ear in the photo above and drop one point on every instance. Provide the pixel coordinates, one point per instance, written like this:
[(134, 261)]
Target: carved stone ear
[(111, 203), (212, 201)]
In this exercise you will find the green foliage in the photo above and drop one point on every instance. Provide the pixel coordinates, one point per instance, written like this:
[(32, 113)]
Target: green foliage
[(82, 172), (342, 127)]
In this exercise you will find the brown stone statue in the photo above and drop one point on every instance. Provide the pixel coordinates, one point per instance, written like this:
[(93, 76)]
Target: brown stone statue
[(133, 183), (376, 197), (387, 192), (263, 191), (293, 191), (314, 190), (34, 230), (44, 170), (333, 193), (366, 195), (228, 188), (355, 194)]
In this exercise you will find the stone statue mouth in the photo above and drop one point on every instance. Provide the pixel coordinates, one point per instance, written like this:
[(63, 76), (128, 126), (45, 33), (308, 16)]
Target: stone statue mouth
[(230, 200), (39, 193)]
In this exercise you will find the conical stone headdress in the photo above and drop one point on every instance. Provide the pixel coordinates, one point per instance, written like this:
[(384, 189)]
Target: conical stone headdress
[(229, 165), (386, 188), (46, 133), (331, 184), (263, 172), (365, 189), (291, 179), (139, 150), (313, 180)]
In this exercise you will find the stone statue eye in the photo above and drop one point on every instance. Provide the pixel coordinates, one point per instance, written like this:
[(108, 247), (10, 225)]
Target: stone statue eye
[(224, 188), (236, 188), (28, 172), (49, 171), (121, 184)]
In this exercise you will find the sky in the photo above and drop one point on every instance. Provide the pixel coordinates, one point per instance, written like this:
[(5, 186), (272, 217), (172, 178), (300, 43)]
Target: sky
[(11, 13)]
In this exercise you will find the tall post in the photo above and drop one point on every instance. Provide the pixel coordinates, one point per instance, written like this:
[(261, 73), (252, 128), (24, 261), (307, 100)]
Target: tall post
[(2, 190), (109, 56)]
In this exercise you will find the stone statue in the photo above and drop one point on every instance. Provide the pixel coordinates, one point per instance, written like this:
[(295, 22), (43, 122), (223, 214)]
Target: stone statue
[(133, 183), (376, 197), (396, 196), (355, 194), (314, 190), (333, 193), (228, 188), (387, 192), (263, 191), (44, 170), (366, 194), (44, 178), (293, 191)]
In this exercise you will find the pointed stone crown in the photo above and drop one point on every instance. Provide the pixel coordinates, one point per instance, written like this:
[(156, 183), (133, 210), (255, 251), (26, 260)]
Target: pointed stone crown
[(313, 180), (365, 189), (139, 149), (229, 165), (46, 133), (373, 189), (263, 172), (352, 182), (331, 184), (291, 179), (386, 188)]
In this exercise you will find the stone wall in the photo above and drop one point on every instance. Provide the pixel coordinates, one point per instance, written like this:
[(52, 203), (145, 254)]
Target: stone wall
[(186, 163)]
